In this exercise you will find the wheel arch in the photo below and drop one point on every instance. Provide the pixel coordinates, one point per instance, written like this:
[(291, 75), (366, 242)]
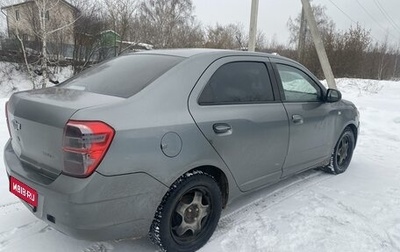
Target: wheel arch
[(219, 177), (354, 129)]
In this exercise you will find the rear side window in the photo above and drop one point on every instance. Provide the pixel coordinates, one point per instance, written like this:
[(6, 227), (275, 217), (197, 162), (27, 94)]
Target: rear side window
[(123, 76), (238, 83)]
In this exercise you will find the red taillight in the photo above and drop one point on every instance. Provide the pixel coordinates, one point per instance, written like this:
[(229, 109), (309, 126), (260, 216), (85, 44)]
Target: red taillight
[(85, 144), (8, 125)]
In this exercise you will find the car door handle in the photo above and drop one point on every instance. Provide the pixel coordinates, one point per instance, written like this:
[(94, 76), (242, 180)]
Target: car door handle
[(297, 119), (221, 128)]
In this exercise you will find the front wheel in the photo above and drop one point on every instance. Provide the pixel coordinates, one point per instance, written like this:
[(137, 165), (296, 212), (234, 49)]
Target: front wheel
[(342, 153), (188, 213)]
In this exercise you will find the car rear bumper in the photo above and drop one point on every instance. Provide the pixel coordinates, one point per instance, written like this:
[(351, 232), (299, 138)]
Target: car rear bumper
[(95, 208)]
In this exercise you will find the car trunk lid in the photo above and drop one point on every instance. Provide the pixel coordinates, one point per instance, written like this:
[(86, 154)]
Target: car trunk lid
[(37, 120)]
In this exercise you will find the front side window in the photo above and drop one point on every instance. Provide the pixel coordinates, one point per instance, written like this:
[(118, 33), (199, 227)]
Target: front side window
[(297, 86), (17, 15), (238, 83)]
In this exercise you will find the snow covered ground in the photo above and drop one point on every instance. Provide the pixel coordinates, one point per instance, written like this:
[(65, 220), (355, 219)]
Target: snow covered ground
[(12, 77), (356, 211)]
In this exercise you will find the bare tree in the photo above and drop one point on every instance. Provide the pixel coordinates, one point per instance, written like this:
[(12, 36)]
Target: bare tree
[(13, 16), (164, 23), (325, 26), (355, 43), (261, 41), (395, 64), (45, 21), (121, 14), (46, 29), (383, 62), (229, 37), (87, 33)]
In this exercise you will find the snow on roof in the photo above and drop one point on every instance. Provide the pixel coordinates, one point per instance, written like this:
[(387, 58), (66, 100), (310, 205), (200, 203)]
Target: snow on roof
[(106, 31), (145, 45)]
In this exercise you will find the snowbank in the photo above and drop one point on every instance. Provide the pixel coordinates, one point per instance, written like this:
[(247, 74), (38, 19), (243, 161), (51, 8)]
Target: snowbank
[(13, 78)]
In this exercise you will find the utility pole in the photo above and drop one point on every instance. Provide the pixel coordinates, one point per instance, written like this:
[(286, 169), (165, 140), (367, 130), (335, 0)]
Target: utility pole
[(253, 26), (319, 45), (302, 37)]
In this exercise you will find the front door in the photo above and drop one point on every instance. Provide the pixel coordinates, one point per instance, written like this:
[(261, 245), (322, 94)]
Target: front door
[(311, 120)]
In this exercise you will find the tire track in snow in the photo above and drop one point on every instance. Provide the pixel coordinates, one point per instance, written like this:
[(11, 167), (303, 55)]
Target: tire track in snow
[(99, 247), (371, 229), (301, 182), (27, 226), (10, 204), (6, 209), (18, 233)]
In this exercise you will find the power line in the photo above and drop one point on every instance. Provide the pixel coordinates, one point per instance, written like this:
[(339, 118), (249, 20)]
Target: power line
[(348, 16), (343, 12), (386, 15), (372, 17)]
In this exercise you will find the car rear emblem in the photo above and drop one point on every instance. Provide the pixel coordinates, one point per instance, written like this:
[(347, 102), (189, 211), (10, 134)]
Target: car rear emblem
[(17, 125)]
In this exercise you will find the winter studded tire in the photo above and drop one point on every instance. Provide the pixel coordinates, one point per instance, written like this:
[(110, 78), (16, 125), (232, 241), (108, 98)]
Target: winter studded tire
[(188, 213), (342, 153)]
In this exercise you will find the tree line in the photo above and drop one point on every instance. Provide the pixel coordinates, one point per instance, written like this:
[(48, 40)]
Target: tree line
[(352, 53)]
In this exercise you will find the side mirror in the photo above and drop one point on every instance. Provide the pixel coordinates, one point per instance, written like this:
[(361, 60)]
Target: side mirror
[(333, 95)]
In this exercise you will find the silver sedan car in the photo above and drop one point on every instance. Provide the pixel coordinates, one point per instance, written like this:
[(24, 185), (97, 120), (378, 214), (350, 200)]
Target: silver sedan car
[(160, 142)]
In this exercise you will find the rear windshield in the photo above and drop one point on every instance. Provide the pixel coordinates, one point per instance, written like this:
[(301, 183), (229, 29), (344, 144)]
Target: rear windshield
[(123, 76)]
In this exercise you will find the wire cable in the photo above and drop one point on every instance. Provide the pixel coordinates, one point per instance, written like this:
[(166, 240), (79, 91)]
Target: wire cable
[(343, 12), (348, 16), (387, 16), (376, 22)]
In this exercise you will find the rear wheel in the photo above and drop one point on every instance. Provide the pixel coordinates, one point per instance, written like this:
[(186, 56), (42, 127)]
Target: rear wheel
[(188, 213), (342, 153)]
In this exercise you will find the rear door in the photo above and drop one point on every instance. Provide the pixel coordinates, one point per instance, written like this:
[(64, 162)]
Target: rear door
[(311, 119), (234, 106)]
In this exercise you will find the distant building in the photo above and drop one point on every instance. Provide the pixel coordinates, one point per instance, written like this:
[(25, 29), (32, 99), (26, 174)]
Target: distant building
[(111, 45), (108, 44), (23, 19)]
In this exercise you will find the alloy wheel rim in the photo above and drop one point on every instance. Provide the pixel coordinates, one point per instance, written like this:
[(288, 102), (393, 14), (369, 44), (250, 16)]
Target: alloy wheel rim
[(190, 216), (343, 151)]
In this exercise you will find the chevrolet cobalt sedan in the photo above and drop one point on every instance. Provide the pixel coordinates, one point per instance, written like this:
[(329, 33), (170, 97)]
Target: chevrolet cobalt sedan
[(160, 142)]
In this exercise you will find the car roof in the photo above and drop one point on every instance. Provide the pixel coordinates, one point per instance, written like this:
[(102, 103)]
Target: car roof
[(190, 52)]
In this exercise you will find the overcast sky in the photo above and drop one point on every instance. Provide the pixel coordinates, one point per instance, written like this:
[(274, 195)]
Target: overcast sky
[(274, 14)]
